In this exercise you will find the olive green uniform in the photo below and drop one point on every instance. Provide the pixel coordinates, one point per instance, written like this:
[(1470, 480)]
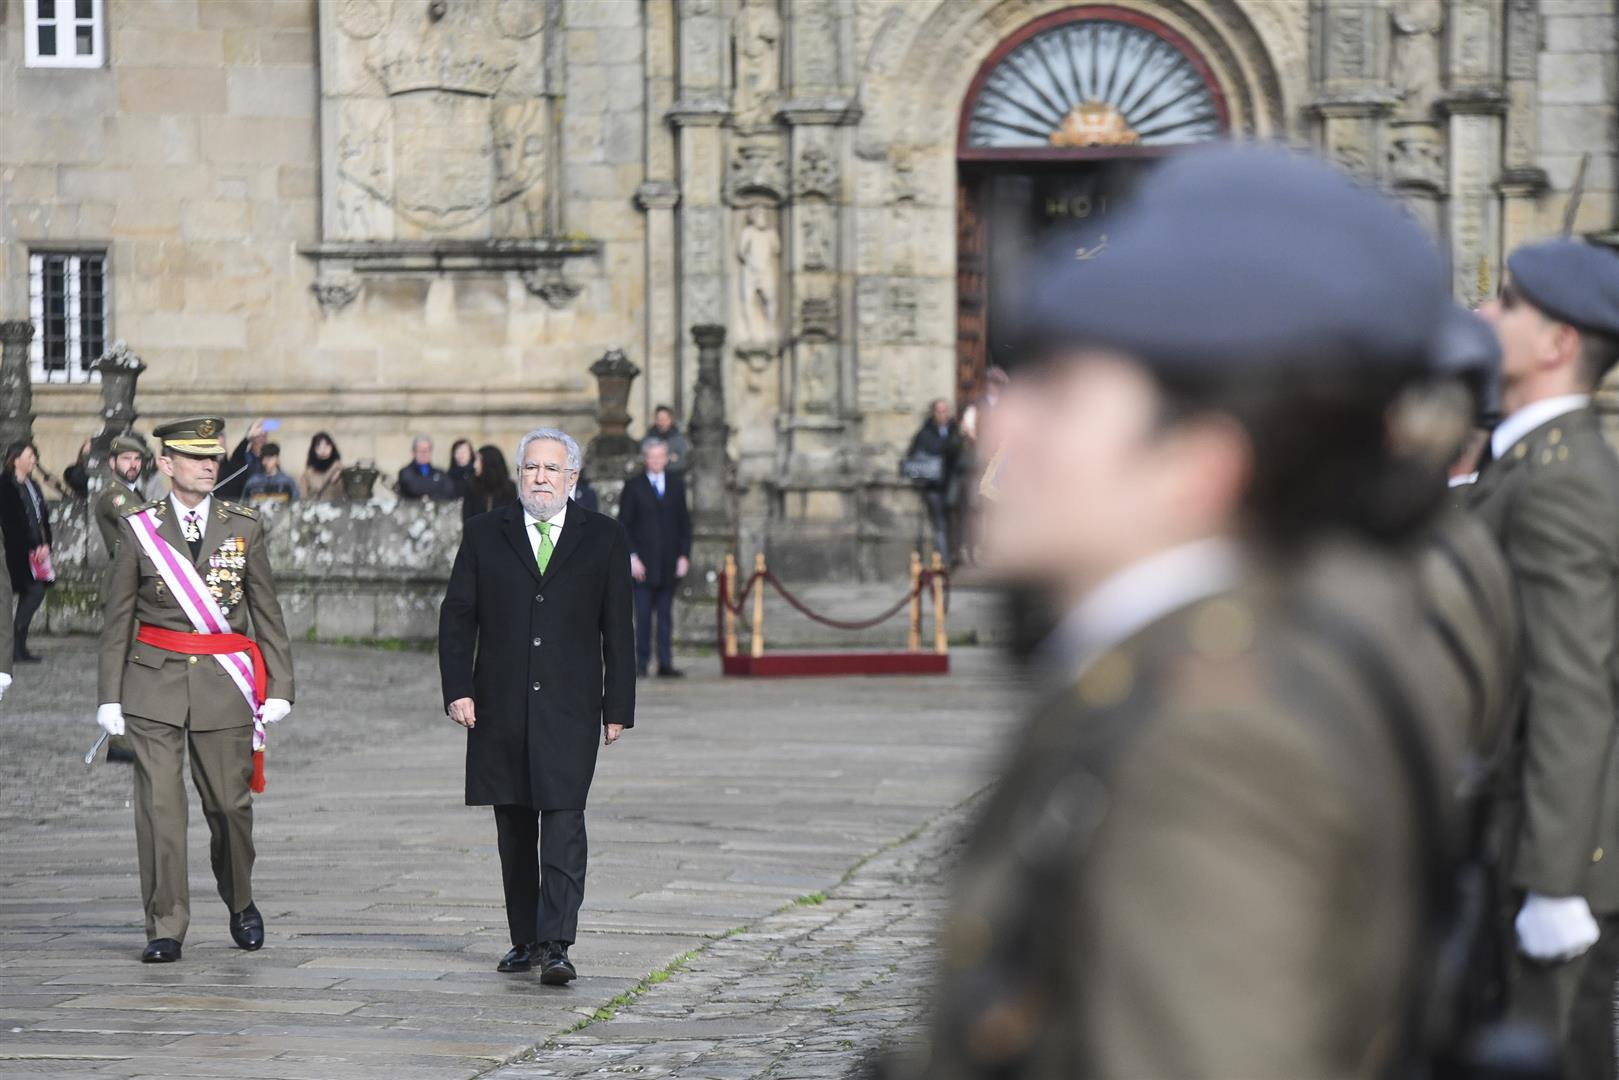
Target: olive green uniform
[(174, 703), (1203, 860), (116, 499), (1553, 502)]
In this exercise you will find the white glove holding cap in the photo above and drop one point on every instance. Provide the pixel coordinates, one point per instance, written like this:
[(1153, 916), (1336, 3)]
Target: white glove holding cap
[(111, 718), (275, 709), (1555, 928)]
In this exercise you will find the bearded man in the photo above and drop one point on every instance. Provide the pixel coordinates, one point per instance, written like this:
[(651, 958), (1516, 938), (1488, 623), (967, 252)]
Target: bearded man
[(537, 657)]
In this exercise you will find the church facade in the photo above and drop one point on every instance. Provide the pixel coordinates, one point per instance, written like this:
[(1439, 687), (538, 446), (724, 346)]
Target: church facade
[(378, 217)]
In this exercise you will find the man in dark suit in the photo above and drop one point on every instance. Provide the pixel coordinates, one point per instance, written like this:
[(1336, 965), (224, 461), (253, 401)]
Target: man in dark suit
[(534, 654), (653, 512)]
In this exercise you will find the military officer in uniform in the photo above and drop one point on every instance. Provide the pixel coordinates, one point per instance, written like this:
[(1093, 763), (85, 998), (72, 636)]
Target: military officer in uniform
[(180, 676), (125, 460), (1206, 857), (1550, 493)]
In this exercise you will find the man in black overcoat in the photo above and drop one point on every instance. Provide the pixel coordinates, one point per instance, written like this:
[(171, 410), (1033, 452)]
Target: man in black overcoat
[(535, 657), (653, 511)]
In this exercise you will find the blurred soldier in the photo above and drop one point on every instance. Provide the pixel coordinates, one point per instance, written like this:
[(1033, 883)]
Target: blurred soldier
[(1550, 492), (1209, 855), (180, 675), (122, 493)]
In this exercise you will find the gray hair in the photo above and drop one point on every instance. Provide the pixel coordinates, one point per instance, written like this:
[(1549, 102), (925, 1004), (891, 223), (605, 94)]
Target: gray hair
[(419, 440), (575, 459)]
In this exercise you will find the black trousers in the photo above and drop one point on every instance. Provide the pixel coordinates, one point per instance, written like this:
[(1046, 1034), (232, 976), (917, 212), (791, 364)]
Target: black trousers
[(939, 518), (542, 864), (28, 603), (1574, 1001), (647, 599)]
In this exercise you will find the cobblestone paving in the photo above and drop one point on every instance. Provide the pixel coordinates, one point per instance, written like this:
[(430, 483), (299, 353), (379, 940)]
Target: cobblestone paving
[(382, 892), (811, 992)]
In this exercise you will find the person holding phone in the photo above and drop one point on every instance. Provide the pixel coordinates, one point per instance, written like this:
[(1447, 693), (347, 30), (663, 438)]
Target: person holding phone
[(247, 460)]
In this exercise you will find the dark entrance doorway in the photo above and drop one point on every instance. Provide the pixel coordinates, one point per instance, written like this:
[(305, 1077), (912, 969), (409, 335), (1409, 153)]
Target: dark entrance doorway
[(1060, 122)]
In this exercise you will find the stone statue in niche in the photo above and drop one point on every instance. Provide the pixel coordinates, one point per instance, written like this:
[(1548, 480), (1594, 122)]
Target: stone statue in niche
[(758, 253), (817, 238), (520, 168), (1414, 54), (757, 35)]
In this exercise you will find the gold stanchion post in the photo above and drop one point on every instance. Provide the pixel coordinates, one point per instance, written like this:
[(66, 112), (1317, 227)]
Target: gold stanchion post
[(758, 644), (730, 598), (913, 641), (941, 639)]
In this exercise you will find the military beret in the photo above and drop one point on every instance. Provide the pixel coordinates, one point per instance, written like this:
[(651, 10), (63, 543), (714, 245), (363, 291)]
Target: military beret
[(195, 436), (1241, 257), (1467, 347), (128, 444), (1570, 280)]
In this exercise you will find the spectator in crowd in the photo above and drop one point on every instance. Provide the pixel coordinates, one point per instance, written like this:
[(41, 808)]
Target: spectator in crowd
[(322, 479), (977, 455), (421, 479), (122, 492), (931, 463), (490, 487), (463, 465), (653, 512), (77, 475), (271, 485), (26, 521), (665, 430), (245, 462), (583, 493)]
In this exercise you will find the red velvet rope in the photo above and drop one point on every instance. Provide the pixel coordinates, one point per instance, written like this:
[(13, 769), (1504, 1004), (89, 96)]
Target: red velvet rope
[(924, 582)]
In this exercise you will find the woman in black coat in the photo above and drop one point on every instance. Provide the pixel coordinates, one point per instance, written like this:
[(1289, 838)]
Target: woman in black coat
[(26, 521), (490, 487), (939, 438)]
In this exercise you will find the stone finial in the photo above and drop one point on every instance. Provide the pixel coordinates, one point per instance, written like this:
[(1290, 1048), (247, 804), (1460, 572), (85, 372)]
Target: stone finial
[(16, 385)]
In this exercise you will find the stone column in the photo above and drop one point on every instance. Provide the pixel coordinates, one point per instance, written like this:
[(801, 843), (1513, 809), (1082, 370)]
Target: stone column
[(701, 107), (1352, 94), (1474, 106), (709, 471), (657, 197), (610, 458), (16, 384)]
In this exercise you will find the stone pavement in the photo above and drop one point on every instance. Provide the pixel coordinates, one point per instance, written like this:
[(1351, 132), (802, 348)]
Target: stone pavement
[(382, 891), (808, 993)]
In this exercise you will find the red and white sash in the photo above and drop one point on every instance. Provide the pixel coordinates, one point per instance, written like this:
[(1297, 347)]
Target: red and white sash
[(200, 607)]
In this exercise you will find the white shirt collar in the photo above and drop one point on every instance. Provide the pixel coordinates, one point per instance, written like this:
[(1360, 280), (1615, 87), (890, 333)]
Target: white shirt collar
[(1510, 431), (655, 478), (529, 521), (201, 509), (1140, 595)]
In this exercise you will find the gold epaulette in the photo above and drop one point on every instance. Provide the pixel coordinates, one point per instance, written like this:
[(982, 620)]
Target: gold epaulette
[(237, 508), (155, 504)]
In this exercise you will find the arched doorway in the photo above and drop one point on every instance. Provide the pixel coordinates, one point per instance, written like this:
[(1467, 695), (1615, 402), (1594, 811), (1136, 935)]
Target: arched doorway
[(1059, 120)]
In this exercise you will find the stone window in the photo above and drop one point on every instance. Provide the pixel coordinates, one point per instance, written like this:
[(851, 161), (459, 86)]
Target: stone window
[(67, 302), (63, 33)]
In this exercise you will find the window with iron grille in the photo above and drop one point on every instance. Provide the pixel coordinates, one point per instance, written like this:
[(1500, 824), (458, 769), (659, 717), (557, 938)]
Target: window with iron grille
[(67, 301), (63, 33)]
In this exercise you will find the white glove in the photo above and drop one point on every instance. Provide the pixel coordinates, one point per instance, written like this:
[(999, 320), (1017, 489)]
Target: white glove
[(5, 683), (111, 718), (1555, 928), (275, 709)]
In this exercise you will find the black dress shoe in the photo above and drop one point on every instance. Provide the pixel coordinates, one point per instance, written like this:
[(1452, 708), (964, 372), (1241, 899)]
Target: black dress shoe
[(28, 658), (670, 673), (247, 929), (163, 950), (520, 958), (556, 969)]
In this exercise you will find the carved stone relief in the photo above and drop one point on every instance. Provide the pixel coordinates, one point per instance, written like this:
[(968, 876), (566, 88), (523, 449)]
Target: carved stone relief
[(1348, 45), (1416, 157), (757, 40), (817, 376), (815, 47), (816, 172), (440, 127), (902, 302), (757, 170), (1414, 63), (818, 317), (817, 237)]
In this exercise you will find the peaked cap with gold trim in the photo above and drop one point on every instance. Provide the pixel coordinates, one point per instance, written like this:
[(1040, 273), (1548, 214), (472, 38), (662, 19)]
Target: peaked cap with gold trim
[(195, 436)]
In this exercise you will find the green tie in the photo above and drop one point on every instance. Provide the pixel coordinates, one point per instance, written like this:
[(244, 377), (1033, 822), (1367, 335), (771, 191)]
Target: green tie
[(545, 543)]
